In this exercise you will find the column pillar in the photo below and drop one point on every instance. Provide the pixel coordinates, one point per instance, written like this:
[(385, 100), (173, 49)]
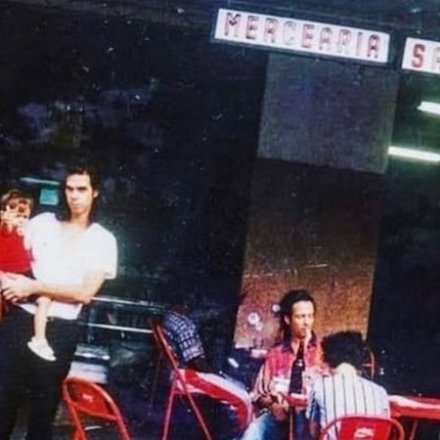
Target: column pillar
[(316, 191)]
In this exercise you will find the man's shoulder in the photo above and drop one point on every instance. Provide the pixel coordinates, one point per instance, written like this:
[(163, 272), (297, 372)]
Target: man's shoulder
[(373, 385), (280, 349), (171, 316), (45, 217), (337, 380), (100, 231), (176, 322), (41, 222)]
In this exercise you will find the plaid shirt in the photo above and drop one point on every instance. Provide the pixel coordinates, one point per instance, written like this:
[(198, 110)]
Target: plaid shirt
[(183, 336), (279, 362)]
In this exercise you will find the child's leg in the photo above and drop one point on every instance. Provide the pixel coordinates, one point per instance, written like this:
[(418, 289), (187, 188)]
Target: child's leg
[(40, 318), (38, 344)]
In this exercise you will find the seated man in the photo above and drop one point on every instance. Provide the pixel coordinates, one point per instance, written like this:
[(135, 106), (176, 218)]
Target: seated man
[(344, 391), (183, 336), (297, 315)]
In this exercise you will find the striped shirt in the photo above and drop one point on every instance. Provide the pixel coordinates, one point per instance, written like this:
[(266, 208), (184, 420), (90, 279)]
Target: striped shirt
[(345, 393), (183, 336)]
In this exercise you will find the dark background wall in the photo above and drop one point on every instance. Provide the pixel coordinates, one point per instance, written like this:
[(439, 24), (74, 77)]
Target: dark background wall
[(174, 121), (405, 314), (171, 118)]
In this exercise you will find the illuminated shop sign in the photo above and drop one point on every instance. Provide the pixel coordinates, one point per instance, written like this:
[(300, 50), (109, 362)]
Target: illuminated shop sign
[(301, 36), (421, 56)]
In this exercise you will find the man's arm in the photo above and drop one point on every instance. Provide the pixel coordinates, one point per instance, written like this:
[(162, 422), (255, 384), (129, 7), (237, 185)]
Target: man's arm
[(17, 288), (264, 398)]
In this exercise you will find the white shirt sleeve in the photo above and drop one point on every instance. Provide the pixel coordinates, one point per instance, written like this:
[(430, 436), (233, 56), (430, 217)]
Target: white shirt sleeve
[(108, 256)]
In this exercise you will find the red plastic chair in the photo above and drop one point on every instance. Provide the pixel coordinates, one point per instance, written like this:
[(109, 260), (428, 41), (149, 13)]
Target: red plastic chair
[(357, 427), (87, 399), (178, 386)]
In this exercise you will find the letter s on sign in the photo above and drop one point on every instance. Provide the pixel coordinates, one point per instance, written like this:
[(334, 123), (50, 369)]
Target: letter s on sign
[(418, 55)]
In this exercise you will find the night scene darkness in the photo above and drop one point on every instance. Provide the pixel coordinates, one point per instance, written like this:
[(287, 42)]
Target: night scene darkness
[(241, 156)]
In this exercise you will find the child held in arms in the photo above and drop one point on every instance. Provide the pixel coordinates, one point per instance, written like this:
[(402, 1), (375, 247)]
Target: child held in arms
[(15, 209)]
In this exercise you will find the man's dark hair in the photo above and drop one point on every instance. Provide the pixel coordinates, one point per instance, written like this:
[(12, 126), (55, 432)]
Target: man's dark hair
[(289, 299), (344, 347), (292, 297), (81, 166)]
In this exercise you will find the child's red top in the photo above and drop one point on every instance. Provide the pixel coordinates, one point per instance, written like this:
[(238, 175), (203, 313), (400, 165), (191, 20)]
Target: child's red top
[(13, 255)]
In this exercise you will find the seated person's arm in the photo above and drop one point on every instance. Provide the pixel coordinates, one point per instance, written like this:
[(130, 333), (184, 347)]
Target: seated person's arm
[(275, 404), (264, 398)]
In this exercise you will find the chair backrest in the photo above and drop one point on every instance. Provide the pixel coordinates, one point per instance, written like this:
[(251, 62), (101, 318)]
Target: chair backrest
[(85, 398), (179, 383), (163, 344), (359, 427), (168, 353)]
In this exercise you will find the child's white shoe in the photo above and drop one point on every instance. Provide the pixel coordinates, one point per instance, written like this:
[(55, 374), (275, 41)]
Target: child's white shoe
[(42, 349)]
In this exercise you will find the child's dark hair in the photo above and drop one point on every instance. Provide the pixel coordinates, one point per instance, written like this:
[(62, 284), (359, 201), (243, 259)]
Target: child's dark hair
[(16, 198)]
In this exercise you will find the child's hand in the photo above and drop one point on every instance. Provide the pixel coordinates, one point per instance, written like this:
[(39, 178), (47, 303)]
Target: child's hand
[(8, 217), (13, 219), (264, 401), (19, 224), (279, 411)]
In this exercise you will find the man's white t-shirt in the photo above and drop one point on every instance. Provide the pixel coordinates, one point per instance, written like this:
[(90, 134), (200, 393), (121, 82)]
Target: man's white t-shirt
[(96, 251)]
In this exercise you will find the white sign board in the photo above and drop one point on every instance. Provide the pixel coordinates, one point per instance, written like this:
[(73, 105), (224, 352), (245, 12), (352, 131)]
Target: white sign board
[(301, 36), (421, 56)]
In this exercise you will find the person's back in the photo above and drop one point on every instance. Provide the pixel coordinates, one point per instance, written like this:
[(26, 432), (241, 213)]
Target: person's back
[(183, 336), (344, 391), (347, 393)]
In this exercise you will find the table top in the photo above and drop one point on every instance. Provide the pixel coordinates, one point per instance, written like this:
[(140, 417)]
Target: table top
[(415, 407), (401, 406)]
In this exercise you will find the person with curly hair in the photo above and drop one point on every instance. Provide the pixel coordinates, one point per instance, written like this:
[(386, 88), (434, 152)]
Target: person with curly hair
[(344, 391)]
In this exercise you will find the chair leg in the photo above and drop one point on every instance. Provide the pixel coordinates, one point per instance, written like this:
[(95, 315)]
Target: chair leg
[(199, 417), (157, 371), (168, 411)]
